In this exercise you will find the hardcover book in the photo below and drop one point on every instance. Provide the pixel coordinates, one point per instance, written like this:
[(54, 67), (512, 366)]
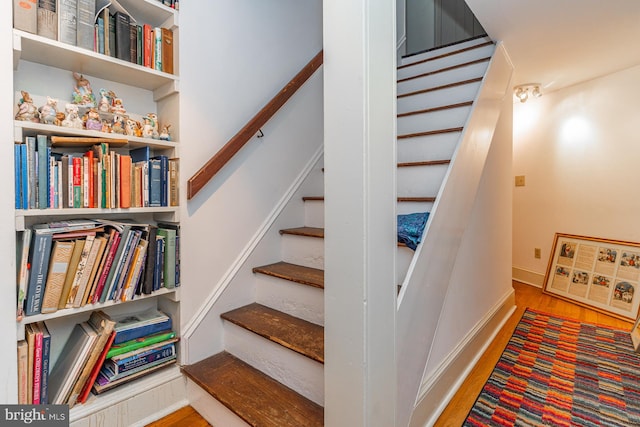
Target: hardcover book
[(23, 360), (129, 361), (48, 19), (71, 273), (138, 343), (167, 50), (85, 25), (123, 36), (58, 266), (25, 15), (72, 359), (169, 256), (132, 326), (46, 356), (67, 21), (40, 253)]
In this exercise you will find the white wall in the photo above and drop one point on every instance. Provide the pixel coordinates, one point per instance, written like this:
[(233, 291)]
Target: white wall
[(235, 55), (578, 148), (8, 375)]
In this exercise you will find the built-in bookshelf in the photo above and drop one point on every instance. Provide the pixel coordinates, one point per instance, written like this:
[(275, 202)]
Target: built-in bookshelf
[(44, 67)]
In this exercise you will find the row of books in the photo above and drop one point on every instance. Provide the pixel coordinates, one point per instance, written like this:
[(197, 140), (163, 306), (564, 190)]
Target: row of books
[(103, 26), (96, 178), (74, 263), (99, 354)]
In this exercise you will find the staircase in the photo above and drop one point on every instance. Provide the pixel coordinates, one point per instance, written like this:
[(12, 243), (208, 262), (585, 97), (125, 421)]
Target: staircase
[(281, 333)]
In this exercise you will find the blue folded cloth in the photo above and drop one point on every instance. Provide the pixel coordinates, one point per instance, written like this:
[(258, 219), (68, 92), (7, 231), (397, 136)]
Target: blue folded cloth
[(410, 228)]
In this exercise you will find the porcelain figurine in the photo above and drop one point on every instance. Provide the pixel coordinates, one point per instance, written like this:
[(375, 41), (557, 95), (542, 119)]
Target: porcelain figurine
[(48, 111), (130, 127), (27, 111), (72, 118), (83, 94), (59, 118), (118, 107), (118, 125), (150, 128), (104, 106), (106, 126), (164, 133), (93, 121)]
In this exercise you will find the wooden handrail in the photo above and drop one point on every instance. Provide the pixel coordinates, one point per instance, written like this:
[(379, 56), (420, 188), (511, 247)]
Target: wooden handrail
[(214, 164)]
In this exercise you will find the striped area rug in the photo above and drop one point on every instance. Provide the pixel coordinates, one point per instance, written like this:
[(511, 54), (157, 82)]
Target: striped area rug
[(561, 372)]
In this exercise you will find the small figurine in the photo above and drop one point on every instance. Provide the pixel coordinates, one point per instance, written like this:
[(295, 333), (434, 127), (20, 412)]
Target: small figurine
[(59, 118), (49, 111), (27, 111), (150, 129), (164, 133), (137, 130), (117, 107), (105, 102), (93, 120), (72, 119), (106, 126), (118, 125), (130, 127), (82, 94)]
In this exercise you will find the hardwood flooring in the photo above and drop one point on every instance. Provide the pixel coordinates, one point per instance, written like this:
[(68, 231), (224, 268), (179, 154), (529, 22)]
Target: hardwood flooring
[(456, 412), (526, 296)]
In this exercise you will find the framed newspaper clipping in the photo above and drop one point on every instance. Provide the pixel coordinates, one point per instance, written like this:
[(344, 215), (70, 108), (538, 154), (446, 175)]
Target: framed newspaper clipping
[(602, 274)]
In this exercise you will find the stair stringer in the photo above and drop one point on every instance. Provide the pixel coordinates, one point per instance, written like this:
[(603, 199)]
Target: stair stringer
[(426, 283)]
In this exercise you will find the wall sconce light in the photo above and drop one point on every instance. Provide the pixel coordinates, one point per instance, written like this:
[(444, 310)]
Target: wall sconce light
[(522, 92)]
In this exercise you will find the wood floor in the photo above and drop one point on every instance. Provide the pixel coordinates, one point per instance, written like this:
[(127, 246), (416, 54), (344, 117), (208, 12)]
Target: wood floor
[(526, 296), (456, 412)]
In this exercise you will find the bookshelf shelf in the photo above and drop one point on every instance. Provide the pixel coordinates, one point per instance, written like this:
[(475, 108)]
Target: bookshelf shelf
[(34, 48), (23, 128), (90, 307)]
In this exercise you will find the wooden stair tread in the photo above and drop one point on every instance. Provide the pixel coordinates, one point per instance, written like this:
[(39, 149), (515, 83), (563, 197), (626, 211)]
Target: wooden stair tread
[(400, 199), (431, 89), (291, 332), (255, 397), (305, 231), (445, 69), (435, 109), (444, 55), (294, 273), (428, 133), (424, 163)]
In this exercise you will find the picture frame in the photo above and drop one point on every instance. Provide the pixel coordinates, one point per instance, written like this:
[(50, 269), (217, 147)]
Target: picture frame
[(602, 274)]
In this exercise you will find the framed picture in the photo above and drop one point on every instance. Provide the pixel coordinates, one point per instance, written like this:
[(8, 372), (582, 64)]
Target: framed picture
[(602, 274)]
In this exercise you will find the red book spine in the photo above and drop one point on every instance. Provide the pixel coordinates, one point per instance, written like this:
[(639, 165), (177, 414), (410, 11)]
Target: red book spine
[(37, 368), (146, 30), (107, 266), (84, 394)]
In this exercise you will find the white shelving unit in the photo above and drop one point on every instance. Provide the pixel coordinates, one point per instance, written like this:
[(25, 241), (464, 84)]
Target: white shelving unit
[(160, 94)]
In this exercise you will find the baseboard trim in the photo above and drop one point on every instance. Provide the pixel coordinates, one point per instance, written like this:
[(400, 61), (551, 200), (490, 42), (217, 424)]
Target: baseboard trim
[(527, 277), (439, 388)]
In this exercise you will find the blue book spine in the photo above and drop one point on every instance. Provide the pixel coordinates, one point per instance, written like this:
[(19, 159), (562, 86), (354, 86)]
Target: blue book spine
[(177, 260), (155, 183), (44, 380), (24, 177), (17, 176), (41, 247), (101, 35), (135, 333), (164, 179), (142, 358), (43, 172)]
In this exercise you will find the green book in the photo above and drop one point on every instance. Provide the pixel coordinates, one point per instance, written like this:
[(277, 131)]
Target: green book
[(128, 346), (169, 256)]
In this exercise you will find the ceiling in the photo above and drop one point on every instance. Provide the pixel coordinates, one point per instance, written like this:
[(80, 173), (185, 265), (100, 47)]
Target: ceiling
[(559, 43)]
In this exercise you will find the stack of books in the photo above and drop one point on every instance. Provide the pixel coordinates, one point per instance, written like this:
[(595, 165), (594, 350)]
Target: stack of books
[(98, 177), (33, 365), (144, 343), (103, 26), (68, 264)]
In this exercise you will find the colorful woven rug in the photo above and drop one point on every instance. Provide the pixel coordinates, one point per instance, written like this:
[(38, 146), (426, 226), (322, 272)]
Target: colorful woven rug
[(560, 372)]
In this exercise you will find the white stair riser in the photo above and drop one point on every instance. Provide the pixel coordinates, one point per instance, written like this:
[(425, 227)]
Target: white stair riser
[(292, 369), (443, 50), (457, 75), (211, 409), (413, 207), (420, 181), (450, 95), (314, 213), (436, 120), (447, 61), (404, 256), (431, 147), (302, 301), (303, 250)]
